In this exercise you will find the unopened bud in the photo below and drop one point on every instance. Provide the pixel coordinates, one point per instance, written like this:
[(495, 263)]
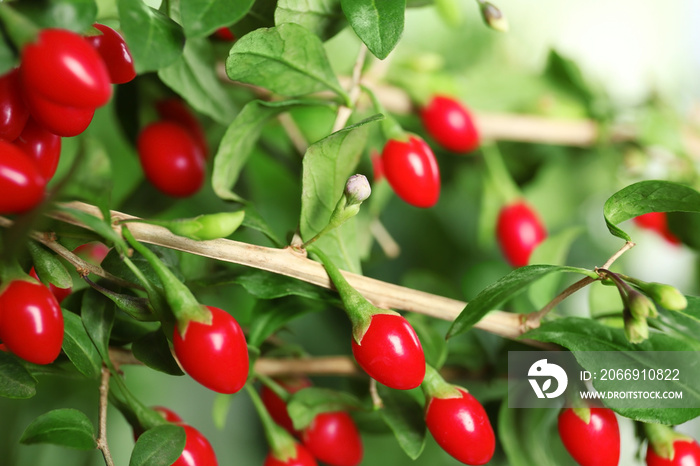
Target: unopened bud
[(640, 305), (667, 296), (357, 190), (636, 329), (493, 17)]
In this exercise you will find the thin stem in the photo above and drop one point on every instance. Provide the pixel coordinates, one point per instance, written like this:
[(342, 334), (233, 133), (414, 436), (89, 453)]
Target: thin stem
[(344, 111), (102, 425), (377, 402), (386, 242), (295, 135), (628, 245)]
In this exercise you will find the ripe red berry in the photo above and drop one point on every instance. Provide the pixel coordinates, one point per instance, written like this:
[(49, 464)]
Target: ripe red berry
[(41, 145), (214, 355), (224, 34), (391, 353), (334, 439), (78, 76), (412, 171), (115, 53), (176, 111), (461, 427), (93, 252), (168, 414), (59, 119), (658, 222), (171, 159), (302, 458), (519, 230), (198, 451), (276, 405), (13, 111), (450, 124), (21, 183), (59, 293), (596, 443), (685, 453), (31, 322)]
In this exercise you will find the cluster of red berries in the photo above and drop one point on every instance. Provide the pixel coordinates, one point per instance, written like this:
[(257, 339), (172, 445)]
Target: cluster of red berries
[(38, 109), (331, 437), (173, 151)]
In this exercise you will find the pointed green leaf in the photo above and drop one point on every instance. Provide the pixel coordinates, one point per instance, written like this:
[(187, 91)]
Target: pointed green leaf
[(271, 316), (48, 267), (648, 196), (379, 24), (239, 140), (153, 351), (193, 76), (65, 427), (287, 60), (160, 446), (203, 17), (502, 290), (79, 347), (322, 17), (15, 381), (98, 317), (327, 166), (405, 417), (154, 40)]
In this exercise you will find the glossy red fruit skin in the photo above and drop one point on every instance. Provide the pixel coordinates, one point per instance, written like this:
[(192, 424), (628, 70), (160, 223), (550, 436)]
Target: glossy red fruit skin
[(594, 444), (41, 145), (276, 405), (78, 76), (93, 252), (303, 458), (450, 124), (62, 120), (198, 451), (333, 439), (13, 110), (519, 231), (31, 321), (168, 414), (391, 353), (412, 171), (214, 355), (658, 222), (171, 159), (177, 111), (461, 427), (110, 45), (59, 293), (21, 183), (224, 34), (686, 453)]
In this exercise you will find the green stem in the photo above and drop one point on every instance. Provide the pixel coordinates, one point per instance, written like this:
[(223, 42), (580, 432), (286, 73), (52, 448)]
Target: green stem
[(390, 127), (281, 443), (182, 302), (275, 387), (357, 307), (434, 386), (661, 439), (132, 408), (499, 174)]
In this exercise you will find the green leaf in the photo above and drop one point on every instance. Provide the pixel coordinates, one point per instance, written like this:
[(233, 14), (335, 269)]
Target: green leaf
[(305, 404), (379, 24), (322, 17), (268, 285), (193, 76), (327, 166), (239, 140), (154, 40), (98, 318), (586, 336), (65, 427), (202, 17), (648, 196), (153, 350), (91, 175), (220, 409), (8, 60), (270, 317), (15, 380), (254, 220), (405, 417), (261, 15), (287, 59), (48, 268), (160, 446), (75, 15), (553, 250), (502, 290), (79, 347)]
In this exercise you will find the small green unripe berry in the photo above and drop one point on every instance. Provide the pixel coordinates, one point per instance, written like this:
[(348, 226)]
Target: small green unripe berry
[(667, 296), (206, 227), (641, 306), (636, 328)]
